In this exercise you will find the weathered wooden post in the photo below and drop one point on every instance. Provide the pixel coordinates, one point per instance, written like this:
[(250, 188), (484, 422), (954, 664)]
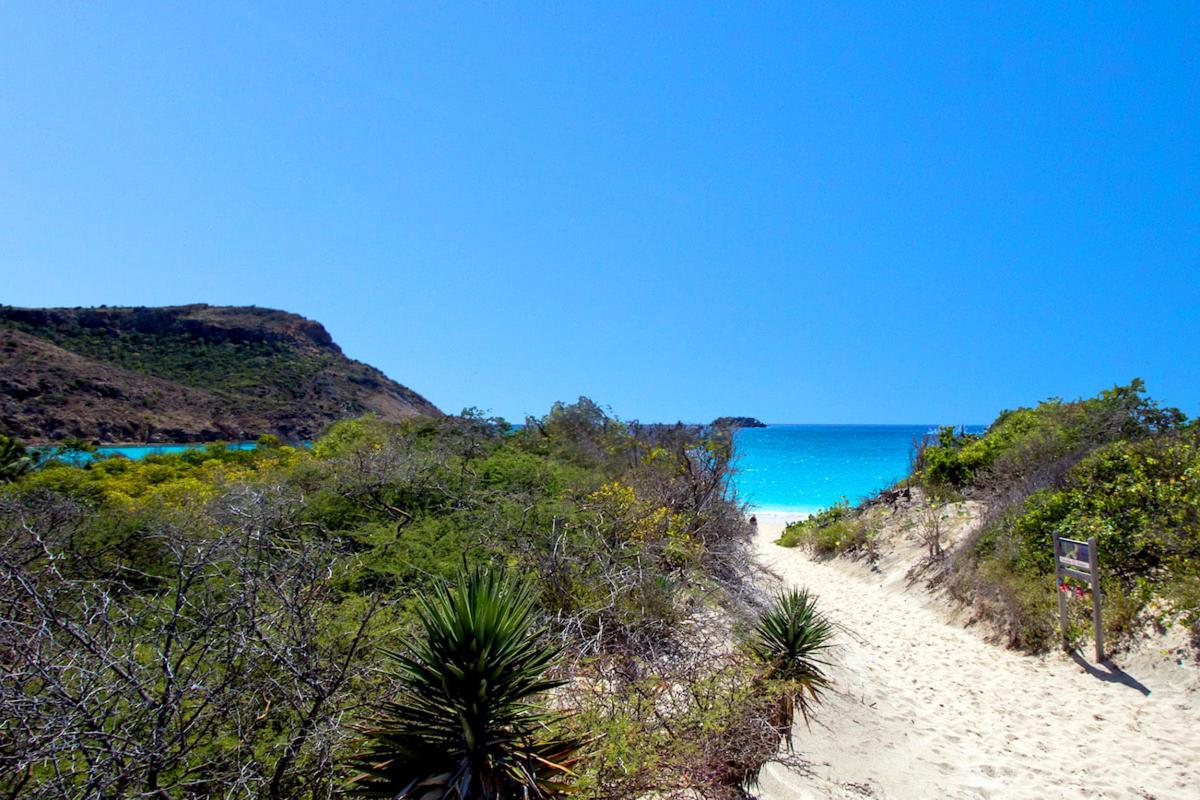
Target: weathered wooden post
[(1083, 563), (1094, 568), (1058, 587)]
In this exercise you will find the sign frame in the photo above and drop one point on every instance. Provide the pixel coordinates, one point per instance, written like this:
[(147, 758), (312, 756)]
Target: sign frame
[(1086, 569)]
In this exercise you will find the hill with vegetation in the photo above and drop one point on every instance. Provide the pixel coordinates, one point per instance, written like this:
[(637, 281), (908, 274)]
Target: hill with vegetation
[(182, 374), (1118, 467), (738, 422)]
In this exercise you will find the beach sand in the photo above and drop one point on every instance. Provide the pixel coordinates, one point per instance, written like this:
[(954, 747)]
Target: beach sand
[(925, 708)]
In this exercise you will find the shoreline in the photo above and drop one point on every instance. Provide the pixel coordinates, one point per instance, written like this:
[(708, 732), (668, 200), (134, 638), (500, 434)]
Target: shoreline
[(781, 516), (58, 443)]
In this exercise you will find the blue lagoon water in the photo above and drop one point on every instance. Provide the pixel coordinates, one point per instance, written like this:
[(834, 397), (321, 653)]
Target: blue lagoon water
[(788, 468), (803, 468), (142, 450)]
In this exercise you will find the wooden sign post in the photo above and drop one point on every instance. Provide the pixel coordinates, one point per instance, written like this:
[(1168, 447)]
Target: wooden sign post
[(1075, 559)]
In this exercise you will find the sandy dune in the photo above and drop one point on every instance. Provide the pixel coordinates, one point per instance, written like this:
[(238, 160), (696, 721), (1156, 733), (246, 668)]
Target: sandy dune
[(928, 709)]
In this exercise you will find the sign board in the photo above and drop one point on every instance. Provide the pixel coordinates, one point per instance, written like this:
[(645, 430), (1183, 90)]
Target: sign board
[(1078, 560), (1074, 554)]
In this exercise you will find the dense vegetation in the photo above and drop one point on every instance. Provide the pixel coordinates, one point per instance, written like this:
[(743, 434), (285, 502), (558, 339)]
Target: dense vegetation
[(1118, 467), (224, 623)]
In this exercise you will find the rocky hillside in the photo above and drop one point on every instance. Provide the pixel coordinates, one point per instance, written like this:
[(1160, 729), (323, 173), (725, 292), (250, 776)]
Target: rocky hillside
[(181, 374)]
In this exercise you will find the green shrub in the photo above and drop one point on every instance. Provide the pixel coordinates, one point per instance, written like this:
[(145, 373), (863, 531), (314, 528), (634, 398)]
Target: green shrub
[(834, 531), (689, 730), (15, 459), (1029, 440), (1183, 597), (1140, 499), (351, 435)]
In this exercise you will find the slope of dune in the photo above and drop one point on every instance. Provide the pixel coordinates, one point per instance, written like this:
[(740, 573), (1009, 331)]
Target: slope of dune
[(926, 708)]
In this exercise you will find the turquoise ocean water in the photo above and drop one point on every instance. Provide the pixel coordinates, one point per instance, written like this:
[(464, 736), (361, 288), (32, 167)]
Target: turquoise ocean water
[(138, 451), (143, 450), (804, 468), (789, 468)]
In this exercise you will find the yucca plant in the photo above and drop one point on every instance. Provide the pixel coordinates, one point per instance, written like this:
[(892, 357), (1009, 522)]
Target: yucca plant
[(465, 725), (792, 638)]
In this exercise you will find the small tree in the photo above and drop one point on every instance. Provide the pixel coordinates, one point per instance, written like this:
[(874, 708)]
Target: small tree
[(931, 530), (792, 638), (463, 726)]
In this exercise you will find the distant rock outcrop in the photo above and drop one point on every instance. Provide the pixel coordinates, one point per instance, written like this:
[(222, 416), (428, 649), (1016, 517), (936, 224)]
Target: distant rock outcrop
[(182, 374), (737, 422)]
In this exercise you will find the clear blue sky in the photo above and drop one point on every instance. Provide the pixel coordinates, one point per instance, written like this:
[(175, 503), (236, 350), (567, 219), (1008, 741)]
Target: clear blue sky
[(820, 214)]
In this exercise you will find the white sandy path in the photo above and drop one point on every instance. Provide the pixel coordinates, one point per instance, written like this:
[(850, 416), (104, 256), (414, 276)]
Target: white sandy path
[(926, 709)]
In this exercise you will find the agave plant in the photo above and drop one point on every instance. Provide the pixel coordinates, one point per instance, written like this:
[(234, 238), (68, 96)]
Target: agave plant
[(792, 637), (464, 725), (15, 460)]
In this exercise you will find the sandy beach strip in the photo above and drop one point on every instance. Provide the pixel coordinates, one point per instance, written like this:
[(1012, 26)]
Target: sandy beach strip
[(924, 708), (778, 520)]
